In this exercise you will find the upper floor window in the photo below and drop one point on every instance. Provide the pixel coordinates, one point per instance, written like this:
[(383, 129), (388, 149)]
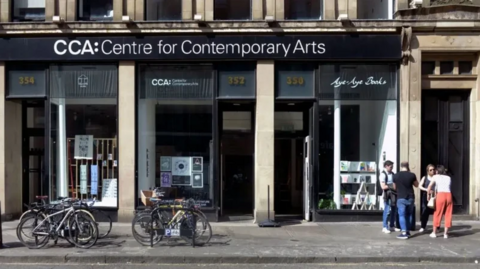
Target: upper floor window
[(232, 10), (376, 9), (164, 10), (95, 10), (28, 10), (303, 9)]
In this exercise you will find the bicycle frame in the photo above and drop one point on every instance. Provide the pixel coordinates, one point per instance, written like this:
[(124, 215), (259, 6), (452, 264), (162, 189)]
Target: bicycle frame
[(69, 211)]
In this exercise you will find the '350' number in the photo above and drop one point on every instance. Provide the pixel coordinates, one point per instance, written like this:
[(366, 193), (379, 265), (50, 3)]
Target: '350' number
[(295, 81)]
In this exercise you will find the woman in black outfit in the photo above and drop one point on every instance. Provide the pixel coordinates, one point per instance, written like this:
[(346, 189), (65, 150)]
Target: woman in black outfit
[(426, 211)]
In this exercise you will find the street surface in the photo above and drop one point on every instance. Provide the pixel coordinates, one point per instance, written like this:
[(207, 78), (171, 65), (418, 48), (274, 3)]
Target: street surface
[(253, 266), (246, 243)]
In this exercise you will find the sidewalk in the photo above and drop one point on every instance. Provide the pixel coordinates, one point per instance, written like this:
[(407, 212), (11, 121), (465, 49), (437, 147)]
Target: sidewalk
[(246, 243)]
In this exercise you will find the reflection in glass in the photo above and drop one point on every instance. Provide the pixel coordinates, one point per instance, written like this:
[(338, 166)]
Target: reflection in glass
[(164, 10), (95, 10), (28, 10), (175, 148), (366, 132), (303, 9), (75, 119), (232, 10)]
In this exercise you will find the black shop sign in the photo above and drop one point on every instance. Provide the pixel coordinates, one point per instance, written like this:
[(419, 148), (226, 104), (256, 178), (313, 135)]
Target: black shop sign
[(201, 47)]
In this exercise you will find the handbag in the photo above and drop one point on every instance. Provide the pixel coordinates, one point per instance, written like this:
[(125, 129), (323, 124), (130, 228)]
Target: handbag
[(431, 202)]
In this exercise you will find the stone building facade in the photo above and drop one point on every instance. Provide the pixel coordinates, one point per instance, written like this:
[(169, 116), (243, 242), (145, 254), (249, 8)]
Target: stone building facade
[(275, 147)]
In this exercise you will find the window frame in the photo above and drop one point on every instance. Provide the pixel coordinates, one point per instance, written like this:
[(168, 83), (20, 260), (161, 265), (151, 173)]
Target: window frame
[(81, 3), (322, 13), (163, 20), (227, 1), (23, 19)]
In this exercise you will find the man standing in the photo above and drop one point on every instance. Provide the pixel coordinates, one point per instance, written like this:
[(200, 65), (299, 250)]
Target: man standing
[(389, 204), (403, 183)]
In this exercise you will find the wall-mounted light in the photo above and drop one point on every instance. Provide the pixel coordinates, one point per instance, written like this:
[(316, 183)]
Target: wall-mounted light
[(126, 19)]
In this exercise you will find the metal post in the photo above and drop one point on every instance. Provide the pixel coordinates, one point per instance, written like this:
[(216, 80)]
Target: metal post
[(1, 230)]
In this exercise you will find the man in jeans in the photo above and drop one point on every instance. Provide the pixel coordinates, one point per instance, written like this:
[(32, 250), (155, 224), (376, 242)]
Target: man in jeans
[(403, 183), (389, 208)]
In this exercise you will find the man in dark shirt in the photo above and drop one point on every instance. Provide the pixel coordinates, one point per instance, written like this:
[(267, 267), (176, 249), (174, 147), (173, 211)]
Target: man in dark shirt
[(403, 183)]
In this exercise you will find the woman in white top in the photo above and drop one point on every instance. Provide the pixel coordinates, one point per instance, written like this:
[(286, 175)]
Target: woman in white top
[(443, 200), (423, 185)]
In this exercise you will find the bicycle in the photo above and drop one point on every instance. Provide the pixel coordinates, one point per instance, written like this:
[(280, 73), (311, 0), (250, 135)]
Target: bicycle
[(153, 220), (73, 224), (103, 230)]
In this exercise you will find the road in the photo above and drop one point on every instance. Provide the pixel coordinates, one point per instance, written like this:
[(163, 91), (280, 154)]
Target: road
[(252, 266)]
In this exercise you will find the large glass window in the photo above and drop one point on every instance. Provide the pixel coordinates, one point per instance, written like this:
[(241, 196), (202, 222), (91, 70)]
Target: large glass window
[(84, 148), (163, 10), (232, 10), (95, 10), (175, 133), (376, 9), (28, 10), (303, 9), (358, 123)]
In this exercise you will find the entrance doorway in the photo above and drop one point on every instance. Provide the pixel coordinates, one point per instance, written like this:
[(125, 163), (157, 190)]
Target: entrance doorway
[(33, 150), (445, 139), (293, 159), (237, 143)]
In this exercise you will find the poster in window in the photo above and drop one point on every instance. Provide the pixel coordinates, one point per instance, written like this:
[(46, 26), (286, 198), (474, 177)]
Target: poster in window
[(166, 179), (83, 179), (109, 189), (165, 163), (197, 164), (181, 166), (94, 178), (83, 147), (197, 180)]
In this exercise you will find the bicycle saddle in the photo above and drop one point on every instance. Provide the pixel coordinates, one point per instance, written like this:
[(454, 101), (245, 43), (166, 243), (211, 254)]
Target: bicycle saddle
[(41, 197)]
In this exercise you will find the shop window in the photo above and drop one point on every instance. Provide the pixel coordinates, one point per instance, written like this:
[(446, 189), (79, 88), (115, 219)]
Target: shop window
[(95, 10), (359, 132), (465, 67), (446, 68), (303, 9), (232, 10), (28, 10), (175, 131), (83, 124), (163, 10), (428, 68), (376, 10)]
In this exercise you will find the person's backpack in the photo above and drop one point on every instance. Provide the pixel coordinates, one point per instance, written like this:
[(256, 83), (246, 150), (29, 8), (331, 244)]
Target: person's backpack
[(379, 186)]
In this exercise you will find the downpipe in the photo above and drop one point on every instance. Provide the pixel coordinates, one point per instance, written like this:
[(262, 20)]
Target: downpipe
[(478, 208)]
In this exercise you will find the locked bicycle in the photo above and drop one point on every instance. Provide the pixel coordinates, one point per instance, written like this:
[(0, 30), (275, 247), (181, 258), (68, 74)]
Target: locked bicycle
[(178, 219), (57, 221)]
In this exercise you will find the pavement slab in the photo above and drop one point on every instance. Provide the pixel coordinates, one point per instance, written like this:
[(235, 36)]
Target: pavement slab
[(293, 243)]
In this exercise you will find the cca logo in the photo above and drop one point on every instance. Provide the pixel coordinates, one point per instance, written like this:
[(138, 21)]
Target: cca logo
[(161, 82), (73, 47)]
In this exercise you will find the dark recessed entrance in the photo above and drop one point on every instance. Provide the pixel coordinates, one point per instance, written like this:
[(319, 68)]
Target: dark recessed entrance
[(445, 139)]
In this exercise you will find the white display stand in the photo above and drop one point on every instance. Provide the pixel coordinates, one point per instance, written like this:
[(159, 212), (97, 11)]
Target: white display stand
[(363, 174)]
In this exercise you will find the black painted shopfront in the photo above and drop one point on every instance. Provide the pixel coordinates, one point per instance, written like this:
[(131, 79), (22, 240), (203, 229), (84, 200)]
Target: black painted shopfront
[(336, 118)]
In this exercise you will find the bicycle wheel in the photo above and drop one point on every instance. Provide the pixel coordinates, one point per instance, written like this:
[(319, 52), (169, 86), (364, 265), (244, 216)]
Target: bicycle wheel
[(33, 232), (203, 230), (142, 227), (104, 227), (82, 229)]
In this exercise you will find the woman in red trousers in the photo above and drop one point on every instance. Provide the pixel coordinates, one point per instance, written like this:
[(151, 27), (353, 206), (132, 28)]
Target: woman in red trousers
[(443, 200)]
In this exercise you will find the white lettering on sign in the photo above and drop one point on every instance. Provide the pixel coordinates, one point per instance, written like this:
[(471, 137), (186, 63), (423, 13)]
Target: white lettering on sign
[(354, 82), (186, 47), (173, 82)]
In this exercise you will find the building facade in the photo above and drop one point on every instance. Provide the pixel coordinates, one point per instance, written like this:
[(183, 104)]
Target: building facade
[(249, 107)]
